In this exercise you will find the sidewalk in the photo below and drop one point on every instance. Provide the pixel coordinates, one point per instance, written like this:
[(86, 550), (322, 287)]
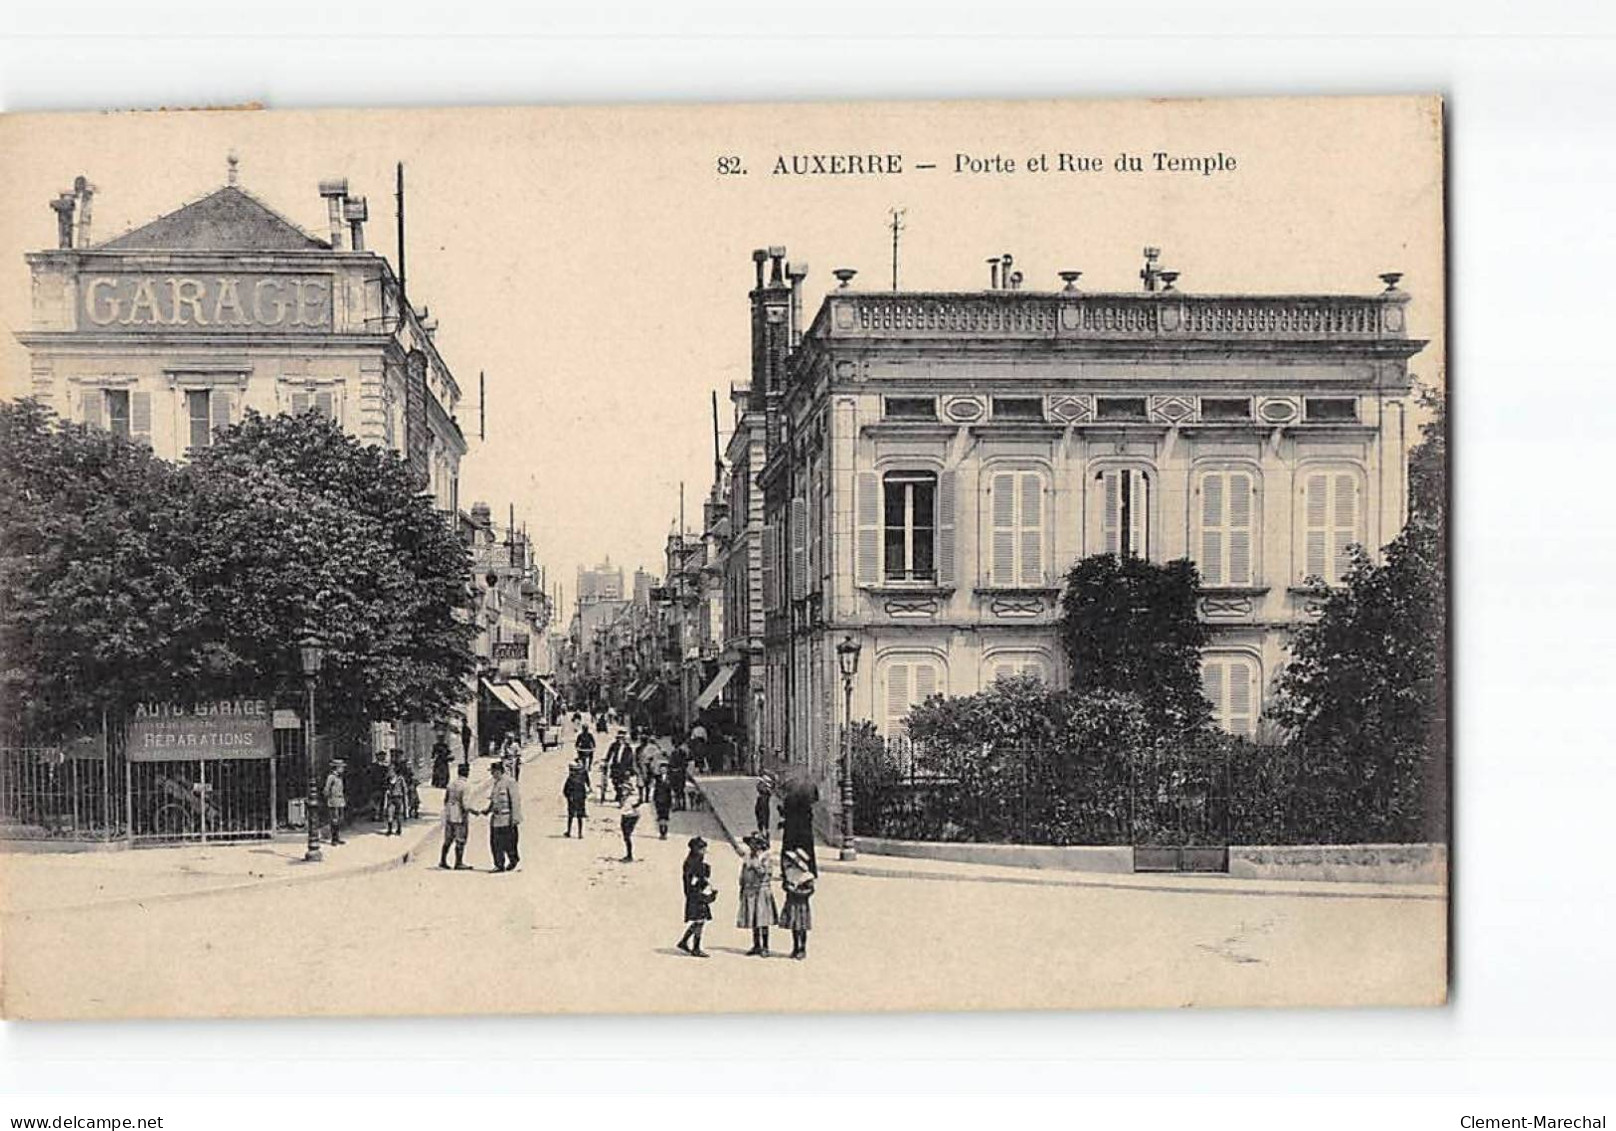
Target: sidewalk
[(731, 801), (36, 882)]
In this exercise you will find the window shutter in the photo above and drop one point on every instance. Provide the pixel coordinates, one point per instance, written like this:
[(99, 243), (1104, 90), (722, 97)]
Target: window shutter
[(1002, 569), (1242, 496), (1212, 529), (1139, 514), (799, 549), (925, 683), (1345, 524), (140, 417), (93, 404), (325, 403), (1212, 674), (1036, 670), (1239, 691), (1314, 563), (1032, 528), (945, 528), (816, 533), (897, 698), (867, 551), (768, 567), (1111, 484), (219, 408), (1003, 671), (300, 403)]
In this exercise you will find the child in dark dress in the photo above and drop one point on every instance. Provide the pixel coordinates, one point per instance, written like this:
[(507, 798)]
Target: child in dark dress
[(699, 895), (797, 877), (662, 800)]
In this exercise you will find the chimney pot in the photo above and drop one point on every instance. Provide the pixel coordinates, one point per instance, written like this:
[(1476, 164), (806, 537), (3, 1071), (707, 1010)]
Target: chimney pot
[(759, 258), (335, 189), (356, 210), (63, 207), (993, 273), (1015, 281), (777, 257)]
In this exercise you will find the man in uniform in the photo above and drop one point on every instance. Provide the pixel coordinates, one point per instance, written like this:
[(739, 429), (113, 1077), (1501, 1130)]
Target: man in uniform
[(456, 819), (504, 811)]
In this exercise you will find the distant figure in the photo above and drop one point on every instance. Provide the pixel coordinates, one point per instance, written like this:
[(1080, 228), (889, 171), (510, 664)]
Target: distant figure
[(678, 771), (395, 801), (662, 801), (699, 896), (585, 746), (465, 741), (336, 800), (797, 877), (456, 820), (757, 909), (441, 757), (576, 791), (763, 807), (628, 816)]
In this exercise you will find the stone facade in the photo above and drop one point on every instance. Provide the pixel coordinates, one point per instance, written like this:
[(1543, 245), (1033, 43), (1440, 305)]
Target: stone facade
[(944, 459)]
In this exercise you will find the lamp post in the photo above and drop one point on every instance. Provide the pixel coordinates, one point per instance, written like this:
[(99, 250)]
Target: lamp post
[(847, 658), (312, 651)]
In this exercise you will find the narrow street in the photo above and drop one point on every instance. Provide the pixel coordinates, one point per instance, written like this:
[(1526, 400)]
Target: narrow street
[(576, 930)]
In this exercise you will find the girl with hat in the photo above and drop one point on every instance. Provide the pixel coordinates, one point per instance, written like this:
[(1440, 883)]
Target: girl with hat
[(699, 896), (797, 877), (757, 908)]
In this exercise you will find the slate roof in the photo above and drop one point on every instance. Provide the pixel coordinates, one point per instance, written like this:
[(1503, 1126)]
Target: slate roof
[(227, 219)]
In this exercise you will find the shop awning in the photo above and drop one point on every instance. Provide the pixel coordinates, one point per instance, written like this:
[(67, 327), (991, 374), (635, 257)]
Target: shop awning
[(649, 690), (506, 697), (549, 688), (528, 700), (709, 694), (629, 690)]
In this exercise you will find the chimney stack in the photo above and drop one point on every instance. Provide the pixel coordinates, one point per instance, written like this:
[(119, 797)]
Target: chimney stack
[(759, 258), (1005, 261), (777, 257), (63, 207), (356, 210), (84, 191), (796, 272), (335, 192), (993, 273)]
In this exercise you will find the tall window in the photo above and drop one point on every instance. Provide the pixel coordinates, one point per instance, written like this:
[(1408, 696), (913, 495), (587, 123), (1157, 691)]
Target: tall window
[(1330, 513), (1011, 664), (1229, 683), (1227, 510), (199, 421), (118, 420), (910, 525), (909, 680), (1016, 507), (1126, 515)]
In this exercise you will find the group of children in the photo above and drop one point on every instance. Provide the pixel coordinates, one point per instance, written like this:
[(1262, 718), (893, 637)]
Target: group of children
[(757, 910)]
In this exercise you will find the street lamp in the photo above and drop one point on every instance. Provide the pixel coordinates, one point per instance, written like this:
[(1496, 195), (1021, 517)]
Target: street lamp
[(312, 649), (847, 658)]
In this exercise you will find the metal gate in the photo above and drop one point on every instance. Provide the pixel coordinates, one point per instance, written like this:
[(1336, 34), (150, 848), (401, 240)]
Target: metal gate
[(202, 800), (1181, 813)]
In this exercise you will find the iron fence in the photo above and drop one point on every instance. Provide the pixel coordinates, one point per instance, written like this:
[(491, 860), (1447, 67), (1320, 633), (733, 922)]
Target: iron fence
[(71, 792)]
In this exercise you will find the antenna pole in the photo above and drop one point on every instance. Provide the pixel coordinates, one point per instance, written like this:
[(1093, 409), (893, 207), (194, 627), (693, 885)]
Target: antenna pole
[(398, 196), (718, 460), (482, 406), (897, 226)]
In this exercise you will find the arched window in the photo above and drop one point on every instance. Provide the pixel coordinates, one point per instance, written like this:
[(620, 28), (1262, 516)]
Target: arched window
[(1330, 521), (1231, 683), (1015, 540), (1226, 515), (1125, 511), (908, 680)]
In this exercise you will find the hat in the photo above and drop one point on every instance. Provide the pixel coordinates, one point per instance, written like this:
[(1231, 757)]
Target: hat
[(755, 840), (696, 842), (497, 764)]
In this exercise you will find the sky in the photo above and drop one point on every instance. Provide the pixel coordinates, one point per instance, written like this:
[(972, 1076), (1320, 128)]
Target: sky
[(594, 263)]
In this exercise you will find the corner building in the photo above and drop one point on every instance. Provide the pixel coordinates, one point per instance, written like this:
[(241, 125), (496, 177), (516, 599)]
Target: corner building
[(940, 460)]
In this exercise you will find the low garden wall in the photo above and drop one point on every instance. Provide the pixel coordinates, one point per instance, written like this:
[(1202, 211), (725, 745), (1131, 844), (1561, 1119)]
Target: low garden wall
[(1355, 863), (1066, 858)]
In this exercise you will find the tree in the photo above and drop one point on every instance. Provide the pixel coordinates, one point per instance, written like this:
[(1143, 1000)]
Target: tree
[(1130, 626), (1367, 686), (95, 611), (302, 527)]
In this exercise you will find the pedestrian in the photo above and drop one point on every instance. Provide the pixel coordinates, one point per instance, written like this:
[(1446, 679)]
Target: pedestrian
[(697, 743), (465, 740), (642, 764), (699, 896), (336, 800), (395, 801), (797, 800), (504, 813), (585, 745), (762, 806), (608, 766), (622, 768), (628, 815), (576, 791), (412, 791), (797, 878), (512, 756), (441, 757), (678, 772), (662, 801), (757, 909), (456, 819)]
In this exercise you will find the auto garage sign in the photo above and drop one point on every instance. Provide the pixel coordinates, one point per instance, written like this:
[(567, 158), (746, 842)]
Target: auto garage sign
[(230, 728)]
